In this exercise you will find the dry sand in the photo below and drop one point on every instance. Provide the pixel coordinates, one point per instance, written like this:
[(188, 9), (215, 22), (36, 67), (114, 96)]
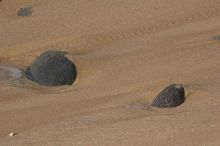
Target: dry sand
[(126, 52)]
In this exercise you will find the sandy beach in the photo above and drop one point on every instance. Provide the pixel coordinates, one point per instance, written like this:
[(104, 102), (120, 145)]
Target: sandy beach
[(126, 52)]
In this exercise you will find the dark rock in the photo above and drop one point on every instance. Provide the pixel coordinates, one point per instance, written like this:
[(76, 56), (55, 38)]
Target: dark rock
[(217, 37), (52, 68), (25, 11), (171, 96)]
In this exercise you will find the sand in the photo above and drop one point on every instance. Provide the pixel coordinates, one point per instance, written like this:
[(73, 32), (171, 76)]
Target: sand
[(126, 52)]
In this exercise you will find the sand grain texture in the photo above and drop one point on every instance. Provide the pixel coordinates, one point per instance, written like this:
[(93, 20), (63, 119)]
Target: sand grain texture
[(126, 52)]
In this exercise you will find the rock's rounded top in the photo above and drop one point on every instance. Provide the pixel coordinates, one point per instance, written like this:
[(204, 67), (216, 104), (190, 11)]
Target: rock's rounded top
[(52, 68), (171, 96)]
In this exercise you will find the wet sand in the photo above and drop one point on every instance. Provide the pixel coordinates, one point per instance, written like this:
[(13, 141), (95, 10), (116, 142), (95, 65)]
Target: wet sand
[(125, 52)]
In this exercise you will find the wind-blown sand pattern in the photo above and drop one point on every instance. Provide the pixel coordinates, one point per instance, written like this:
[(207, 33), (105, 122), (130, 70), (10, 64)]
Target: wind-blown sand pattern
[(126, 52)]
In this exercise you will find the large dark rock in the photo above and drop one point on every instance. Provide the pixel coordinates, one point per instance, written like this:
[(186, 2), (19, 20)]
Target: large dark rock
[(171, 96), (25, 11), (52, 68)]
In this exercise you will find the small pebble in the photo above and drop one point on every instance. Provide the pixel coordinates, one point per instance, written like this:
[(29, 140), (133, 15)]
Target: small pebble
[(11, 134), (24, 11)]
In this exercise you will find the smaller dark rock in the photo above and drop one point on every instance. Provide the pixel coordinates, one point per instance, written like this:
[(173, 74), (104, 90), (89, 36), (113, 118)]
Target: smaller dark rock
[(25, 11), (171, 96)]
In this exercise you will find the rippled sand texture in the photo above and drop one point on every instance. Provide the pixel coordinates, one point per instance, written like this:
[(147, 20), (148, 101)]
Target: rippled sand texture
[(126, 52)]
